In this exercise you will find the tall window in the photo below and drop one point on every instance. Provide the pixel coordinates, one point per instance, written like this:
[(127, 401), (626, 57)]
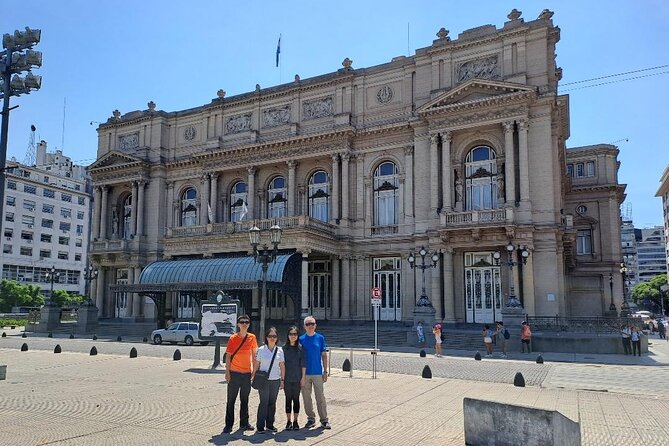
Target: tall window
[(276, 198), (238, 201), (584, 241), (481, 179), (126, 231), (188, 208), (386, 194), (319, 195)]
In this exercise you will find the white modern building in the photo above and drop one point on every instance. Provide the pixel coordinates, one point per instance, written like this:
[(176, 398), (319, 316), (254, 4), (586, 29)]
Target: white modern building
[(628, 239), (46, 221), (651, 255)]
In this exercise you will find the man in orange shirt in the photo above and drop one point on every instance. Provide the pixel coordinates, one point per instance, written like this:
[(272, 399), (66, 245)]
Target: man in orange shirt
[(240, 352)]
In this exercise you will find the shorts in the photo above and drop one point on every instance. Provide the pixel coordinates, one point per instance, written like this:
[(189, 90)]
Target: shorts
[(487, 340), (437, 341), (525, 341)]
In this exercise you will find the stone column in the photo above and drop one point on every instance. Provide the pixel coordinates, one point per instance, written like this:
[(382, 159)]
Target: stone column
[(170, 204), (130, 309), (336, 309), (523, 161), (360, 188), (103, 213), (369, 198), (305, 284), (408, 184), (509, 171), (434, 174), (204, 201), (345, 287), (141, 184), (528, 287), (138, 309), (251, 193), (335, 189), (291, 187), (213, 201), (434, 287), (449, 294), (446, 181), (133, 213), (96, 212), (100, 285), (345, 186)]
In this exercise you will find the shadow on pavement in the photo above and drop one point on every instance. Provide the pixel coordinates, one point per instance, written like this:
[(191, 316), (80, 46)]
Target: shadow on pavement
[(219, 371), (258, 438)]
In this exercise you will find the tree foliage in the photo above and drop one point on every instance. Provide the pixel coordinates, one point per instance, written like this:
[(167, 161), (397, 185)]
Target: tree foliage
[(13, 294), (651, 290), (64, 299)]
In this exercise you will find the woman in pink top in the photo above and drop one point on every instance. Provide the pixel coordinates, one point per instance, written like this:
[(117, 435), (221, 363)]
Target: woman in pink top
[(525, 337)]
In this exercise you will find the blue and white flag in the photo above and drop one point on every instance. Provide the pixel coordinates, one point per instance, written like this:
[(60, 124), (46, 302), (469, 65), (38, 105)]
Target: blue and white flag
[(278, 50), (245, 210)]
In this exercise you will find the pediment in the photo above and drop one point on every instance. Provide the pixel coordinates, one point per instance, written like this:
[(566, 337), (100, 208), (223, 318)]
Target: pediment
[(115, 159), (477, 92)]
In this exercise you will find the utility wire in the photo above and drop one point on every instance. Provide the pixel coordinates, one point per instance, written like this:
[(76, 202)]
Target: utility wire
[(614, 82), (614, 75)]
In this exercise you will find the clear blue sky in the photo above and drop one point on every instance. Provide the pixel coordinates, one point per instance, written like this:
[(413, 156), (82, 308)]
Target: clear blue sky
[(103, 56)]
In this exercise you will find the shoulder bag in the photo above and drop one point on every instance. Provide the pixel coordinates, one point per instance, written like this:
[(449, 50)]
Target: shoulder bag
[(237, 349), (260, 379)]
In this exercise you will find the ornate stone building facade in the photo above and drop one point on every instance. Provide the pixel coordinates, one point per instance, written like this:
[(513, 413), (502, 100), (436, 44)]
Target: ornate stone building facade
[(459, 148)]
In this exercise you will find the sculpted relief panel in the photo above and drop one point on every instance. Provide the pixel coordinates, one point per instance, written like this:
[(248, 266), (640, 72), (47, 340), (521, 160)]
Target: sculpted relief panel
[(485, 68), (276, 116), (317, 109), (128, 142), (237, 124)]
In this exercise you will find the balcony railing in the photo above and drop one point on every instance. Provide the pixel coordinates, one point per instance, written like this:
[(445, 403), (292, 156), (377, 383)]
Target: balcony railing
[(478, 217), (299, 221), (586, 324), (384, 230)]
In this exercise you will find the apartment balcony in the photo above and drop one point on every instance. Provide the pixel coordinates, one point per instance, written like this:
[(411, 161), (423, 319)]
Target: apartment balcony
[(484, 217), (112, 246)]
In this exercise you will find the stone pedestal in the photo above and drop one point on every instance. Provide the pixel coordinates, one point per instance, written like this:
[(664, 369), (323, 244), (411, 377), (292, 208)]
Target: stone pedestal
[(513, 317), (424, 314), (49, 318), (87, 319)]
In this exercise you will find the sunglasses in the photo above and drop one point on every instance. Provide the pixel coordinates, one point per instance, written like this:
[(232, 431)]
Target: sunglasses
[(272, 336), (292, 334), (310, 324), (244, 322)]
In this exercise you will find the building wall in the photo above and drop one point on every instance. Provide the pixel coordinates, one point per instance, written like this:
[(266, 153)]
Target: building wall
[(663, 193), (425, 114)]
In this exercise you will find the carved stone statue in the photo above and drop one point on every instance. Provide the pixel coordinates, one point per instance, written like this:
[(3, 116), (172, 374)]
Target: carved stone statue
[(514, 14), (443, 34), (500, 187), (220, 94), (458, 190), (114, 221), (486, 68), (347, 64), (152, 106)]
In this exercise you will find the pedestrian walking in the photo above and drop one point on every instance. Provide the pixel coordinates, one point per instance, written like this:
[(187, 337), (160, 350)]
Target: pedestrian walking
[(525, 337), (420, 331), (626, 333), (437, 340), (239, 354), (636, 341), (661, 329), (316, 359), (502, 335), (270, 362), (487, 340), (295, 377)]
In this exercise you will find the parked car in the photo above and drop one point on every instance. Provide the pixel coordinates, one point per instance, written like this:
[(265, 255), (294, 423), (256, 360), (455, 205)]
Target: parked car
[(185, 332)]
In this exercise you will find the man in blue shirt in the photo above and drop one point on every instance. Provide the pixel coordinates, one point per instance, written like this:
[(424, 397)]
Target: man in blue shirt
[(313, 346)]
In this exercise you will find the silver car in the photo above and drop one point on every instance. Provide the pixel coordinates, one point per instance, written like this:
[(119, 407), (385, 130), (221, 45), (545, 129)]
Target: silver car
[(185, 332)]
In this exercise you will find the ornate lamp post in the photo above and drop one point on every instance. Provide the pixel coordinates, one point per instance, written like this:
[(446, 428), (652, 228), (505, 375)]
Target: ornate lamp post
[(423, 301), (264, 256), (625, 307), (90, 273), (511, 262), (52, 276)]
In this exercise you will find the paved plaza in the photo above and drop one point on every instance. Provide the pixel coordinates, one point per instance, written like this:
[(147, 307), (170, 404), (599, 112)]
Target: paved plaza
[(76, 399)]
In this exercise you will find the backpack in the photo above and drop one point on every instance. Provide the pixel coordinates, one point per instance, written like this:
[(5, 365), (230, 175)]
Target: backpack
[(507, 335)]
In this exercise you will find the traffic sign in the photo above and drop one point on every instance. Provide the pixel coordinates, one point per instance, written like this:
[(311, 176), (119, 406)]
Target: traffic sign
[(376, 296)]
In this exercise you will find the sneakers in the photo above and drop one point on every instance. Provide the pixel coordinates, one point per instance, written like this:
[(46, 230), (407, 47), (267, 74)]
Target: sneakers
[(227, 430), (326, 425), (248, 427), (289, 425), (271, 428), (296, 427), (502, 355), (310, 424), (260, 431)]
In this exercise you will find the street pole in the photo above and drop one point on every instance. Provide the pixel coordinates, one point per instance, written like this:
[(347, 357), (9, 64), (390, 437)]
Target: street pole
[(263, 303), (6, 91)]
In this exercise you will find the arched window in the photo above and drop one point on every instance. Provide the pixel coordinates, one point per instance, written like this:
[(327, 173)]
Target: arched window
[(188, 208), (319, 196), (386, 193), (481, 179), (276, 198), (126, 230), (238, 201)]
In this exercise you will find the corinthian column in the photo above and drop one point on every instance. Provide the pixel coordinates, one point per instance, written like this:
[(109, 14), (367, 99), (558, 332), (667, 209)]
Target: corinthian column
[(291, 187), (335, 189), (141, 184), (510, 163), (251, 193), (133, 213), (96, 212), (204, 208), (434, 174), (170, 204), (523, 161), (345, 186), (103, 213), (213, 200), (447, 182), (408, 184)]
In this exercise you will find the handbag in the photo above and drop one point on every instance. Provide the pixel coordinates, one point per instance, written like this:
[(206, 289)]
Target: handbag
[(260, 379)]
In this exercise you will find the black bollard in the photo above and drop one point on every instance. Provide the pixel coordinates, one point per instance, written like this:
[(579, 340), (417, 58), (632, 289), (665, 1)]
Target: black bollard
[(71, 336), (133, 352), (24, 347), (50, 335), (540, 359), (177, 355), (422, 353), (477, 356), (427, 373), (24, 335), (4, 335), (347, 366), (57, 349), (95, 338), (118, 339), (145, 339), (519, 380), (94, 351)]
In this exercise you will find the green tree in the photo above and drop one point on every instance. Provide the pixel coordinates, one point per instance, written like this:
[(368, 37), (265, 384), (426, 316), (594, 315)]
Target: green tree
[(64, 299), (13, 294), (32, 296), (651, 290)]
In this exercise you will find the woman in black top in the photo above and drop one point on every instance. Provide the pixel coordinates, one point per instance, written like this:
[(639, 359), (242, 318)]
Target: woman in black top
[(295, 377)]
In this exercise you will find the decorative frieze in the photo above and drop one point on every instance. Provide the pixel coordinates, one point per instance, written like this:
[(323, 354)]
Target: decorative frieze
[(485, 68), (276, 116), (128, 142), (190, 133), (317, 109), (239, 123)]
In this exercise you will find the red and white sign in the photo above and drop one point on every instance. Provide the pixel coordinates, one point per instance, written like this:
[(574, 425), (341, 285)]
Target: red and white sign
[(376, 296)]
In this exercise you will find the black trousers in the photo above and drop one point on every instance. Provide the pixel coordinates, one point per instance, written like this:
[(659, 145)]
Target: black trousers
[(240, 383), (636, 345), (627, 346), (267, 405), (292, 393)]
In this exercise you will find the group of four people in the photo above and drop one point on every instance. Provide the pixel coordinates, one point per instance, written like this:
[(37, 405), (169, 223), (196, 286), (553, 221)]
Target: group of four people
[(298, 367)]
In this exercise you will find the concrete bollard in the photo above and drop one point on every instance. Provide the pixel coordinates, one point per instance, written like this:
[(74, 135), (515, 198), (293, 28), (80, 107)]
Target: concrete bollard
[(540, 359), (477, 356), (427, 373), (118, 339), (346, 367), (57, 349), (177, 355), (422, 353), (95, 338), (4, 335), (24, 347), (71, 335), (145, 339), (133, 352), (24, 335), (94, 351), (3, 372), (50, 335), (519, 380)]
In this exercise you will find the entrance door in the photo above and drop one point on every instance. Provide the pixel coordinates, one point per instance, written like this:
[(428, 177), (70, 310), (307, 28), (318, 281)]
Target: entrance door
[(319, 288), (387, 278), (185, 306), (121, 299), (483, 292)]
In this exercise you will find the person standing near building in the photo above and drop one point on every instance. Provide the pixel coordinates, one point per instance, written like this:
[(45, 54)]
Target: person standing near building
[(502, 335), (313, 346), (626, 333), (420, 332), (270, 359), (295, 377), (242, 348), (661, 329), (636, 341), (436, 330), (525, 337), (487, 340)]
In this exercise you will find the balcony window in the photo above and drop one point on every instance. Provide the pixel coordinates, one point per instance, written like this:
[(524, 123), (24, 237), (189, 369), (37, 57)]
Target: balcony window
[(276, 198), (188, 208), (386, 194), (319, 196), (238, 202), (584, 242), (481, 179)]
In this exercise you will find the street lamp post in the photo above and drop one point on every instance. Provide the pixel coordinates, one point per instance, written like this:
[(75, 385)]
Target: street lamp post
[(423, 301), (90, 273), (53, 276), (264, 256), (625, 307), (511, 262), (17, 57), (612, 307)]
